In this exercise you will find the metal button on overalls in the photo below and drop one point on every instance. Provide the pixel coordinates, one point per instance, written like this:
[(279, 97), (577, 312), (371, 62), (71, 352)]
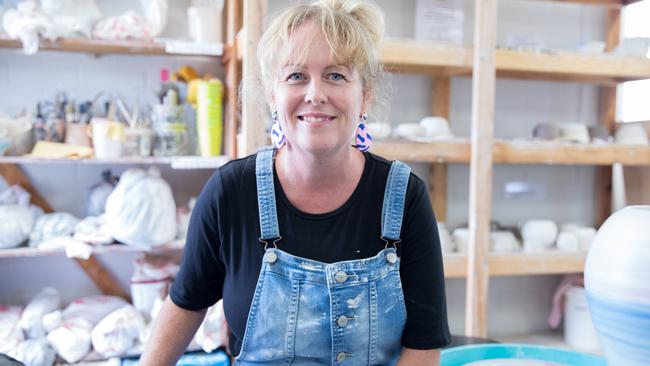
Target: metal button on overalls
[(342, 321), (391, 257), (270, 257), (340, 277), (340, 357)]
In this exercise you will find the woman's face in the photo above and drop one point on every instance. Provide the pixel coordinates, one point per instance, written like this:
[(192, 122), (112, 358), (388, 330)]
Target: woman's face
[(319, 102)]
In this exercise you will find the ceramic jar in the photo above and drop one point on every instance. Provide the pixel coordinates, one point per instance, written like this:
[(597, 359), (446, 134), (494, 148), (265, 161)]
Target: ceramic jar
[(617, 280)]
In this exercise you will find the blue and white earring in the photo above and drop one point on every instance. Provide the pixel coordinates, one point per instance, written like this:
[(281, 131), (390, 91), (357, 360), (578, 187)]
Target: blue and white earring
[(277, 136), (362, 137)]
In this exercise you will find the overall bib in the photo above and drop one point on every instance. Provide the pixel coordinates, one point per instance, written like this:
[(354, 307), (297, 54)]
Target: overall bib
[(306, 312)]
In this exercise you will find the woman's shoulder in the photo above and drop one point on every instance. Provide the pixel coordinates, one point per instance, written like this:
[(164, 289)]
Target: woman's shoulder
[(235, 175)]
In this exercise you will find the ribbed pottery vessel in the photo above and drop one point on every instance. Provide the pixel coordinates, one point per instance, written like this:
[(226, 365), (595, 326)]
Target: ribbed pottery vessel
[(617, 280)]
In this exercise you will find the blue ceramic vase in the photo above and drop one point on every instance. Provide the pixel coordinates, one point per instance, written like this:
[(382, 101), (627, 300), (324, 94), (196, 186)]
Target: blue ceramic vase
[(617, 280)]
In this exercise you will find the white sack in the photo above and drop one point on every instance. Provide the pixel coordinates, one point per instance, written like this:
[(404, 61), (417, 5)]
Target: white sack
[(10, 332), (31, 321), (141, 210), (118, 332), (16, 223), (51, 226), (34, 352), (72, 340)]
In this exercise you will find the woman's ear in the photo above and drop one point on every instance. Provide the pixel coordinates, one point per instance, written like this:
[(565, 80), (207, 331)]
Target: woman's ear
[(368, 98)]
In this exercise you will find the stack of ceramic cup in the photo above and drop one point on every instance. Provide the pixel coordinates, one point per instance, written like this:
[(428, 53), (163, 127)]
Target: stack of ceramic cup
[(209, 117)]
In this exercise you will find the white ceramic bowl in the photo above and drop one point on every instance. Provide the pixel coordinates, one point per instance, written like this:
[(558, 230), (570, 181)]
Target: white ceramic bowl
[(437, 127), (573, 132), (411, 131), (538, 235), (631, 134)]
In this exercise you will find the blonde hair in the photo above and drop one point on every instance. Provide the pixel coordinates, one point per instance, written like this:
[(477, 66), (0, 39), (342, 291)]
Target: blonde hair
[(353, 30)]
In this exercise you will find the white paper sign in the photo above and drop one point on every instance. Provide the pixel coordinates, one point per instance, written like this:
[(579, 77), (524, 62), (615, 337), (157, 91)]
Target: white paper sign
[(439, 20)]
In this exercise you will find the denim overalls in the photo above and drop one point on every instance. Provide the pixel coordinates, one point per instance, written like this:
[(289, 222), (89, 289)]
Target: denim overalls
[(306, 312)]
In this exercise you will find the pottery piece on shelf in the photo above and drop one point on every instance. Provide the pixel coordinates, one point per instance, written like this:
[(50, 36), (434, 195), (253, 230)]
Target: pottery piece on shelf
[(538, 235), (411, 131), (631, 134), (461, 239), (504, 241), (599, 134), (568, 241), (545, 131), (573, 132), (437, 127), (617, 281)]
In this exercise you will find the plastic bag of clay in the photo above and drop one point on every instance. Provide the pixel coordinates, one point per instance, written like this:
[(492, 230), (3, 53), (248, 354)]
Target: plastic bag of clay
[(150, 281), (213, 331), (72, 339), (93, 230), (141, 210), (16, 223), (98, 194), (51, 226), (118, 332), (155, 11), (19, 132), (33, 352), (125, 26), (15, 195), (71, 17), (10, 332), (26, 22), (31, 321)]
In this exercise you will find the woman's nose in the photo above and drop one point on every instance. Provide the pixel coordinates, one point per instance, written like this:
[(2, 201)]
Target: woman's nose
[(315, 93)]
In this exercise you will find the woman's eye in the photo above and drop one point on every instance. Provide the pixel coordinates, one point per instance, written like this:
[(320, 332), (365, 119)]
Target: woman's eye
[(335, 76), (295, 76)]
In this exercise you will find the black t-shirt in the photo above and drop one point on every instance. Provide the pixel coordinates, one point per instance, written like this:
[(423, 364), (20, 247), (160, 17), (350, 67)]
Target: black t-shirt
[(223, 257)]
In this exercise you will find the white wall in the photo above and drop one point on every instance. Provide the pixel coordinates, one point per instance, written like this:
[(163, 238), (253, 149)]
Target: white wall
[(517, 304)]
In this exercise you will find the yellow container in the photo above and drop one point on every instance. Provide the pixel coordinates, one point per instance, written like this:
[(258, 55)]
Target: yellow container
[(209, 117)]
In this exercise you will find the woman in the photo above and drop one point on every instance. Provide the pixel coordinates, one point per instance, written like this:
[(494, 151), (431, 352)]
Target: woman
[(323, 253)]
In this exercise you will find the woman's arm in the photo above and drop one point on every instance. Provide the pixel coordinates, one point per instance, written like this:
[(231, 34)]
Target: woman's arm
[(173, 330), (416, 357)]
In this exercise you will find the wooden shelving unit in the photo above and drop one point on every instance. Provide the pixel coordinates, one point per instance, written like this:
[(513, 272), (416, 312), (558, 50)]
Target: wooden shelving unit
[(97, 249), (129, 47), (449, 60), (176, 162), (517, 152), (520, 263)]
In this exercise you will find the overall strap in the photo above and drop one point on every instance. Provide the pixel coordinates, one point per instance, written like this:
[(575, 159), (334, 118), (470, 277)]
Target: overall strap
[(393, 208), (266, 194)]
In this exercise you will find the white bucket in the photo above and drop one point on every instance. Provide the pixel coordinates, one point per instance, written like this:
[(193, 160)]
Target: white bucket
[(579, 331)]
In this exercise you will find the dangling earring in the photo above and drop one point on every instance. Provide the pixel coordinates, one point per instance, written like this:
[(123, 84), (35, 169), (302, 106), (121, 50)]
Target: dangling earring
[(277, 136), (362, 137)]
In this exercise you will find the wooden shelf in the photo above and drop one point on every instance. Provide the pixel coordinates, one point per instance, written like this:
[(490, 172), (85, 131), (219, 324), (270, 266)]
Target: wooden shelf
[(516, 152), (137, 47), (515, 264), (447, 151), (176, 162), (99, 249), (447, 59)]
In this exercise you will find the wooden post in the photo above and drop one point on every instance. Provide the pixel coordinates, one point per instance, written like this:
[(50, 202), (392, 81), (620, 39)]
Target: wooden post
[(480, 188), (97, 273), (232, 80), (438, 183), (253, 113), (607, 99)]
